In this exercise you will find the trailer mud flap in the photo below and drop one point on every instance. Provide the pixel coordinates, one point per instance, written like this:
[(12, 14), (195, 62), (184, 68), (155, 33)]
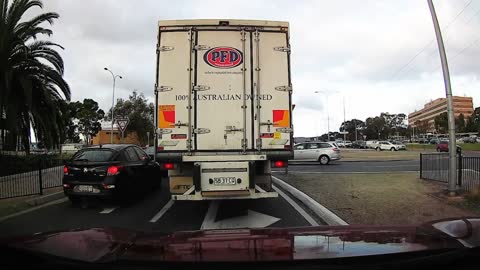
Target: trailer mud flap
[(197, 177), (251, 174)]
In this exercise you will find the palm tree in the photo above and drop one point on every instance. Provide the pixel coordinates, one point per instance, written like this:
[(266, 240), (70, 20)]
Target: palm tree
[(31, 75)]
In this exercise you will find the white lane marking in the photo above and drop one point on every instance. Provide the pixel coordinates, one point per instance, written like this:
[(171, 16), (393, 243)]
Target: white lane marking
[(321, 211), (33, 209), (297, 207), (209, 218), (108, 210), (164, 209), (253, 219)]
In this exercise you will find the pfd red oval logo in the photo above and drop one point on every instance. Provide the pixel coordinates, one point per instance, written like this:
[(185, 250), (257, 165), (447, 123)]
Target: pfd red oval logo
[(223, 57)]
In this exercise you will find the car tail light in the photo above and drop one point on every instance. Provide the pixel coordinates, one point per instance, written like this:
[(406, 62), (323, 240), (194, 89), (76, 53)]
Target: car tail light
[(114, 170), (159, 148), (336, 149), (169, 166), (107, 186), (280, 164), (65, 170), (67, 185)]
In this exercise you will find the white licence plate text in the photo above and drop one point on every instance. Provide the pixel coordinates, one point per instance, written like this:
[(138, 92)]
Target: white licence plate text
[(224, 181)]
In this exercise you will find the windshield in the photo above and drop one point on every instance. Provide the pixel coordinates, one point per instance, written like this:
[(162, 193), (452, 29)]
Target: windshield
[(228, 116), (93, 155)]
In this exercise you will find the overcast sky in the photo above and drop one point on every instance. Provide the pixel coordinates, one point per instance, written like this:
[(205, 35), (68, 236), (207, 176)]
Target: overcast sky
[(352, 49)]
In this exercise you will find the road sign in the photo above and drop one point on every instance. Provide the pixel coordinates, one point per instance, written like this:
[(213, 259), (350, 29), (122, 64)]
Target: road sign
[(122, 124)]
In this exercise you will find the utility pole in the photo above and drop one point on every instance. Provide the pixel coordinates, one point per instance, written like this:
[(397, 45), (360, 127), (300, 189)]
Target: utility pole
[(452, 173), (355, 121), (344, 124)]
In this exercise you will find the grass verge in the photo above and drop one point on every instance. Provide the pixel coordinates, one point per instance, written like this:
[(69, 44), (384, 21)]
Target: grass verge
[(378, 199)]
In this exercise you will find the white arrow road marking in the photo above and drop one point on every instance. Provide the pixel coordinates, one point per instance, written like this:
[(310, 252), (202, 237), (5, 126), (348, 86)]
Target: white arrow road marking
[(162, 211), (251, 220), (108, 210)]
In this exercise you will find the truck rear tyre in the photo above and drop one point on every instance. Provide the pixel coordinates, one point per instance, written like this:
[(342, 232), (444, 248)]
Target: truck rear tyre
[(324, 160)]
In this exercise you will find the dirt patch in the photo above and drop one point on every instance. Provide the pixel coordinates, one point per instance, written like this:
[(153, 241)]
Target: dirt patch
[(380, 199)]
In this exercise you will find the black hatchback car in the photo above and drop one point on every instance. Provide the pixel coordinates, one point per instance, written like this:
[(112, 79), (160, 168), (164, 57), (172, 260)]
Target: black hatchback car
[(116, 171)]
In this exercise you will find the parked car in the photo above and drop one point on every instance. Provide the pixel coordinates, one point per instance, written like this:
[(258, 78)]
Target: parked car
[(323, 152), (442, 146), (340, 143), (116, 171), (385, 145), (433, 141), (348, 144), (401, 145), (471, 139), (359, 145), (423, 140), (372, 144)]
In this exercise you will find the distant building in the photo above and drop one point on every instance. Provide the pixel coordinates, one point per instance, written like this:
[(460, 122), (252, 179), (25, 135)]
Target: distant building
[(103, 136), (461, 105)]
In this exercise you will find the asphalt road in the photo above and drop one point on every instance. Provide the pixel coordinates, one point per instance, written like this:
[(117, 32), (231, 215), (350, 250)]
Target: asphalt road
[(354, 167), (155, 212)]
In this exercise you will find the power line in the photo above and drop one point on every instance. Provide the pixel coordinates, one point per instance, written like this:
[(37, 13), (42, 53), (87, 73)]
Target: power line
[(459, 53), (431, 41)]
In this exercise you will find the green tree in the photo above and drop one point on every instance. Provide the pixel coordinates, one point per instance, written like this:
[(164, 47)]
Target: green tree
[(140, 115), (350, 126), (31, 75), (476, 119), (470, 126), (89, 116), (441, 123), (70, 132)]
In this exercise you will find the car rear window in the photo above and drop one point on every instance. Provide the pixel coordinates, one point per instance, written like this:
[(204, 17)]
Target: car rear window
[(95, 155)]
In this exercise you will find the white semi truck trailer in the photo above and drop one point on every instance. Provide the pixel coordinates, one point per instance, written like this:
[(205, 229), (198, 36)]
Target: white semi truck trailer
[(223, 107)]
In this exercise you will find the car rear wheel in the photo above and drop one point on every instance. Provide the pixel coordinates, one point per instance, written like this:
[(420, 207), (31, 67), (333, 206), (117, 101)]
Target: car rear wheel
[(392, 149), (438, 150), (378, 149), (324, 159)]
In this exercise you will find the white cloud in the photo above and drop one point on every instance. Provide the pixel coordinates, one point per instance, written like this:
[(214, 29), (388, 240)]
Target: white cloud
[(354, 47)]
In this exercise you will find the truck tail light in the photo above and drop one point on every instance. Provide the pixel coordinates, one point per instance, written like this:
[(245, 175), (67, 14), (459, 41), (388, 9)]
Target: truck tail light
[(280, 164), (65, 170), (159, 148), (169, 166)]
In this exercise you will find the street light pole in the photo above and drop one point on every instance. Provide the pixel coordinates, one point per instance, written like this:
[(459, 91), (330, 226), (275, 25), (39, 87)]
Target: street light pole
[(328, 111), (114, 77), (344, 124), (452, 174)]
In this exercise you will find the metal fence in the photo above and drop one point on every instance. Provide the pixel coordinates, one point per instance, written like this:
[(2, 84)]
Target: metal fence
[(434, 166), (24, 175)]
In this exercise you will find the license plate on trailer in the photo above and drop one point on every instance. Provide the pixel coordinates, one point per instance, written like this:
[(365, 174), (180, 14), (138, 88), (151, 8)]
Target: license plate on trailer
[(85, 188), (224, 181)]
